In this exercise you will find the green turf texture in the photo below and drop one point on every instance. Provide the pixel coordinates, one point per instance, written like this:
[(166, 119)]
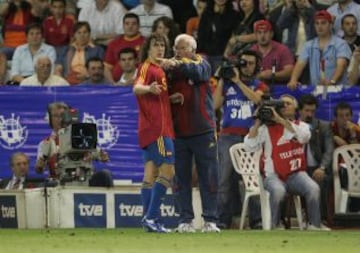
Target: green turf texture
[(135, 240)]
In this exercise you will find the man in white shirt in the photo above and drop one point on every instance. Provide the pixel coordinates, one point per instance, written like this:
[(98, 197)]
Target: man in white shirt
[(19, 163), (105, 19), (148, 12), (43, 76)]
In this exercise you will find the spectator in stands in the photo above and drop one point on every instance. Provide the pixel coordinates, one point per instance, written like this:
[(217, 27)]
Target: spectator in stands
[(217, 23), (105, 19), (354, 68), (166, 26), (243, 36), (3, 68), (327, 55), (16, 15), (187, 8), (339, 10), (155, 130), (131, 38), (277, 61), (192, 24), (237, 97), (344, 130), (284, 161), (194, 124), (268, 6), (319, 150), (349, 26), (148, 11), (95, 71), (43, 75), (79, 51), (48, 154), (298, 19), (40, 9), (127, 62), (58, 28), (19, 163), (22, 64)]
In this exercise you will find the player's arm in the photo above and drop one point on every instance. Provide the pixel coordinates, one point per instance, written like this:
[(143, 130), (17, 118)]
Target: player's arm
[(141, 89)]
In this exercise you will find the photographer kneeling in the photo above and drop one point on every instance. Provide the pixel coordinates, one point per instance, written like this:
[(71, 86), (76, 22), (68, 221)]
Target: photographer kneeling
[(70, 150), (237, 92), (282, 139)]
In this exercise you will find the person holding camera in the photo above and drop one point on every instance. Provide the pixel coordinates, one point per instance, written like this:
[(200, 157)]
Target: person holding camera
[(283, 142), (48, 154), (237, 92)]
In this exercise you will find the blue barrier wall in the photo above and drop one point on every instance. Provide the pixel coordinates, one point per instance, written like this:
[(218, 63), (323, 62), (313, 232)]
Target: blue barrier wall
[(114, 110)]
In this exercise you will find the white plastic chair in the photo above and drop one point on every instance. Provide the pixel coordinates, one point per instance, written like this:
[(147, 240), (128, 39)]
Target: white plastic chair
[(347, 156), (247, 164)]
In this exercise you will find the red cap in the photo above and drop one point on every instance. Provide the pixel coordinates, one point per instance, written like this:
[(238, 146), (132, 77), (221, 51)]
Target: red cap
[(263, 24), (323, 14)]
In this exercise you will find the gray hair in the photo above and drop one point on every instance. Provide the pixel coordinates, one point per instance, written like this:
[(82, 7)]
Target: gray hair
[(16, 154), (188, 38)]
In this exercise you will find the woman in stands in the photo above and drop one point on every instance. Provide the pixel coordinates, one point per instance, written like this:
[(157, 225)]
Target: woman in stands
[(79, 51), (166, 26), (16, 14)]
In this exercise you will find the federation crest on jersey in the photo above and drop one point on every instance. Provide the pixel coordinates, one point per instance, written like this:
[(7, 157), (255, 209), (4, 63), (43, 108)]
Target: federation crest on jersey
[(108, 134), (12, 134)]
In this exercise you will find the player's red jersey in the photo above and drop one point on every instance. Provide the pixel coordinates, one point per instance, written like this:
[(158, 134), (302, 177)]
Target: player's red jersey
[(288, 156), (154, 110)]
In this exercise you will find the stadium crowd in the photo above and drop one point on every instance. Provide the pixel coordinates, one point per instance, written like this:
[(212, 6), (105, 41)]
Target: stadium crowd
[(261, 43)]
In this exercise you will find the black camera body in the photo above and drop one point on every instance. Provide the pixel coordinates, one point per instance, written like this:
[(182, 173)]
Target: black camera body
[(226, 69), (265, 113)]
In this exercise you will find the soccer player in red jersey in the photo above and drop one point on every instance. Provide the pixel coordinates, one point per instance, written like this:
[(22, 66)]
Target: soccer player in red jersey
[(155, 130)]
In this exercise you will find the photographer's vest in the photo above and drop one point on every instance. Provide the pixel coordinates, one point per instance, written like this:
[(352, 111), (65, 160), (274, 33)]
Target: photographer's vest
[(288, 156), (237, 109)]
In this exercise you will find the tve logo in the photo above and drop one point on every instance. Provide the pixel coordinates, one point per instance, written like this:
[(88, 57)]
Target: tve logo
[(8, 216), (90, 210), (129, 211)]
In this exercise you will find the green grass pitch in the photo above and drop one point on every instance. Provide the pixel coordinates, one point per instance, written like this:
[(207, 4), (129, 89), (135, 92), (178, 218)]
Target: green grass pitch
[(136, 240)]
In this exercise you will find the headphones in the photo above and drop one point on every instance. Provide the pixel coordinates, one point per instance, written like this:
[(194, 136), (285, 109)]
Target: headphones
[(52, 106)]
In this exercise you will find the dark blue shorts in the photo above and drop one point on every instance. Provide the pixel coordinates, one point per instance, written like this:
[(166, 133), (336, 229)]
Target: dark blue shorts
[(161, 151)]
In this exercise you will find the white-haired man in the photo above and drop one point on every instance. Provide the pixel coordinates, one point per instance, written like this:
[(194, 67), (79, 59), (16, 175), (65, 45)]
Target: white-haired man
[(194, 125), (43, 75)]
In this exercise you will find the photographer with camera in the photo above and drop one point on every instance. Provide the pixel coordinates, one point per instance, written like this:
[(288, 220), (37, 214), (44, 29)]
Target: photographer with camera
[(238, 91), (63, 168), (283, 144)]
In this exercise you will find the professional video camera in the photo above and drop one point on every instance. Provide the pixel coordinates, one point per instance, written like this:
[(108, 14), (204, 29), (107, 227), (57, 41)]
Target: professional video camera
[(265, 113), (226, 69), (76, 140)]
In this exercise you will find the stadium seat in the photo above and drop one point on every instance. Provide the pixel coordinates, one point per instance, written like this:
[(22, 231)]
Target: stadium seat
[(247, 164), (347, 157)]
